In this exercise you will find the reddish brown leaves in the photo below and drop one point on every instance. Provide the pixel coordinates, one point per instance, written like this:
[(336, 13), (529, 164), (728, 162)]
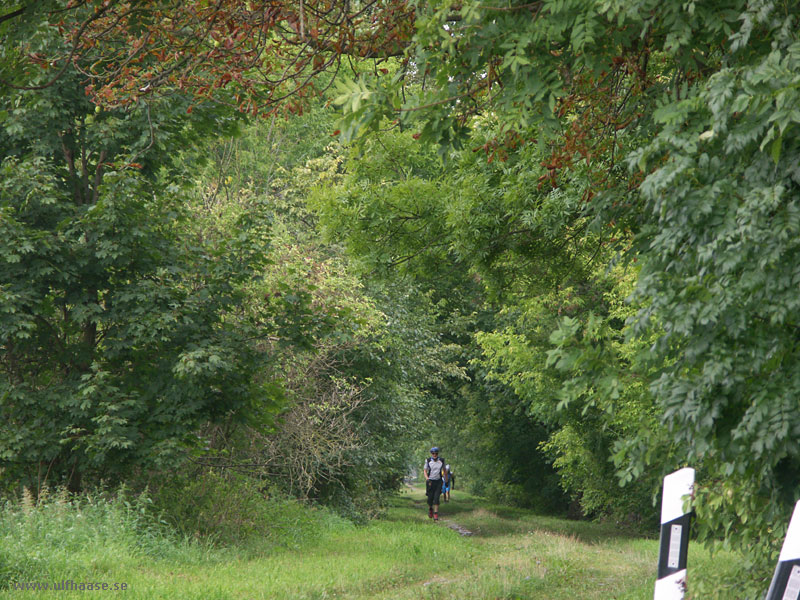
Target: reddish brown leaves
[(266, 51)]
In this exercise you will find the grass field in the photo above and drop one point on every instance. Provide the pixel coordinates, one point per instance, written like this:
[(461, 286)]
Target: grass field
[(511, 554)]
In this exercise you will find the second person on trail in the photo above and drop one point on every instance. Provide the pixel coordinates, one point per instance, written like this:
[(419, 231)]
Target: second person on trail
[(434, 470), (449, 479)]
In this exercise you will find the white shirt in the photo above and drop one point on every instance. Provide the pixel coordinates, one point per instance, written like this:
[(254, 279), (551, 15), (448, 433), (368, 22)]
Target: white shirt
[(434, 467)]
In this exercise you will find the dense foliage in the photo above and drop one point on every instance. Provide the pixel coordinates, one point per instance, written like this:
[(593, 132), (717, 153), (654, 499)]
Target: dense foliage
[(666, 132), (114, 329), (596, 273), (167, 303)]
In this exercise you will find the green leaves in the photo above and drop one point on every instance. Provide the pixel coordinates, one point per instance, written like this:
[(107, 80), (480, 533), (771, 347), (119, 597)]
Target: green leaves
[(364, 107), (105, 295), (351, 94), (706, 350), (719, 256)]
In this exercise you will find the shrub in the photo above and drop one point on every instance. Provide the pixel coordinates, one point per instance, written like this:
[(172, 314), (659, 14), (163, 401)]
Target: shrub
[(235, 510)]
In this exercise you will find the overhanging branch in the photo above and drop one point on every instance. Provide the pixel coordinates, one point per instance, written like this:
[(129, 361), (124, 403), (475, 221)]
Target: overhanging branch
[(12, 15)]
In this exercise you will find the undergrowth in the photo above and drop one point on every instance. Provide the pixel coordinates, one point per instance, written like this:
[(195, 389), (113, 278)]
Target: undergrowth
[(231, 510), (61, 536)]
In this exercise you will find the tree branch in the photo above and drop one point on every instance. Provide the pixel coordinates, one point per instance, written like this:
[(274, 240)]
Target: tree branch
[(98, 176), (68, 60), (12, 15)]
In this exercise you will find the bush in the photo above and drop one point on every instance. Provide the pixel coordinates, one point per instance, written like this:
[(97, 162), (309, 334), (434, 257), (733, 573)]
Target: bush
[(236, 510)]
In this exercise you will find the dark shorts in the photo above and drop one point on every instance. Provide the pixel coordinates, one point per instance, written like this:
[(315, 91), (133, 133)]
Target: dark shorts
[(433, 489)]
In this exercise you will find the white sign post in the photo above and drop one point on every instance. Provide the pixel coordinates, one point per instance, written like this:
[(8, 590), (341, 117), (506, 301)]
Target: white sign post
[(786, 581), (675, 522)]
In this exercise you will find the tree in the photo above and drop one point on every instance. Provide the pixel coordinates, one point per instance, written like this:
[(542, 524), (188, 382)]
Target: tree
[(120, 331), (355, 390), (697, 102), (720, 256), (408, 223)]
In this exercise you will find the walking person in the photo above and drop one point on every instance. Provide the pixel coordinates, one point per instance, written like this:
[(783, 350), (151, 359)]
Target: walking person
[(434, 470), (449, 480)]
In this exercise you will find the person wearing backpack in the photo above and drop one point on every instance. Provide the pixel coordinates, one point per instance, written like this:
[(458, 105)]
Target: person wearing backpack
[(434, 470), (449, 480)]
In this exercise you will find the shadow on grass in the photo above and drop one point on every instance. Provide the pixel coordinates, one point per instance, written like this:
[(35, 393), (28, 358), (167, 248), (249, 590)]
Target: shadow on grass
[(485, 519)]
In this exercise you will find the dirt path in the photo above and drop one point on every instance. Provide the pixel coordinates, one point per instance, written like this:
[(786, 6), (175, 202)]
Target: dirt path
[(456, 527)]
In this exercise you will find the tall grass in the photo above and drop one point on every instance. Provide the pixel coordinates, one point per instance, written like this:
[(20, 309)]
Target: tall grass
[(60, 537)]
